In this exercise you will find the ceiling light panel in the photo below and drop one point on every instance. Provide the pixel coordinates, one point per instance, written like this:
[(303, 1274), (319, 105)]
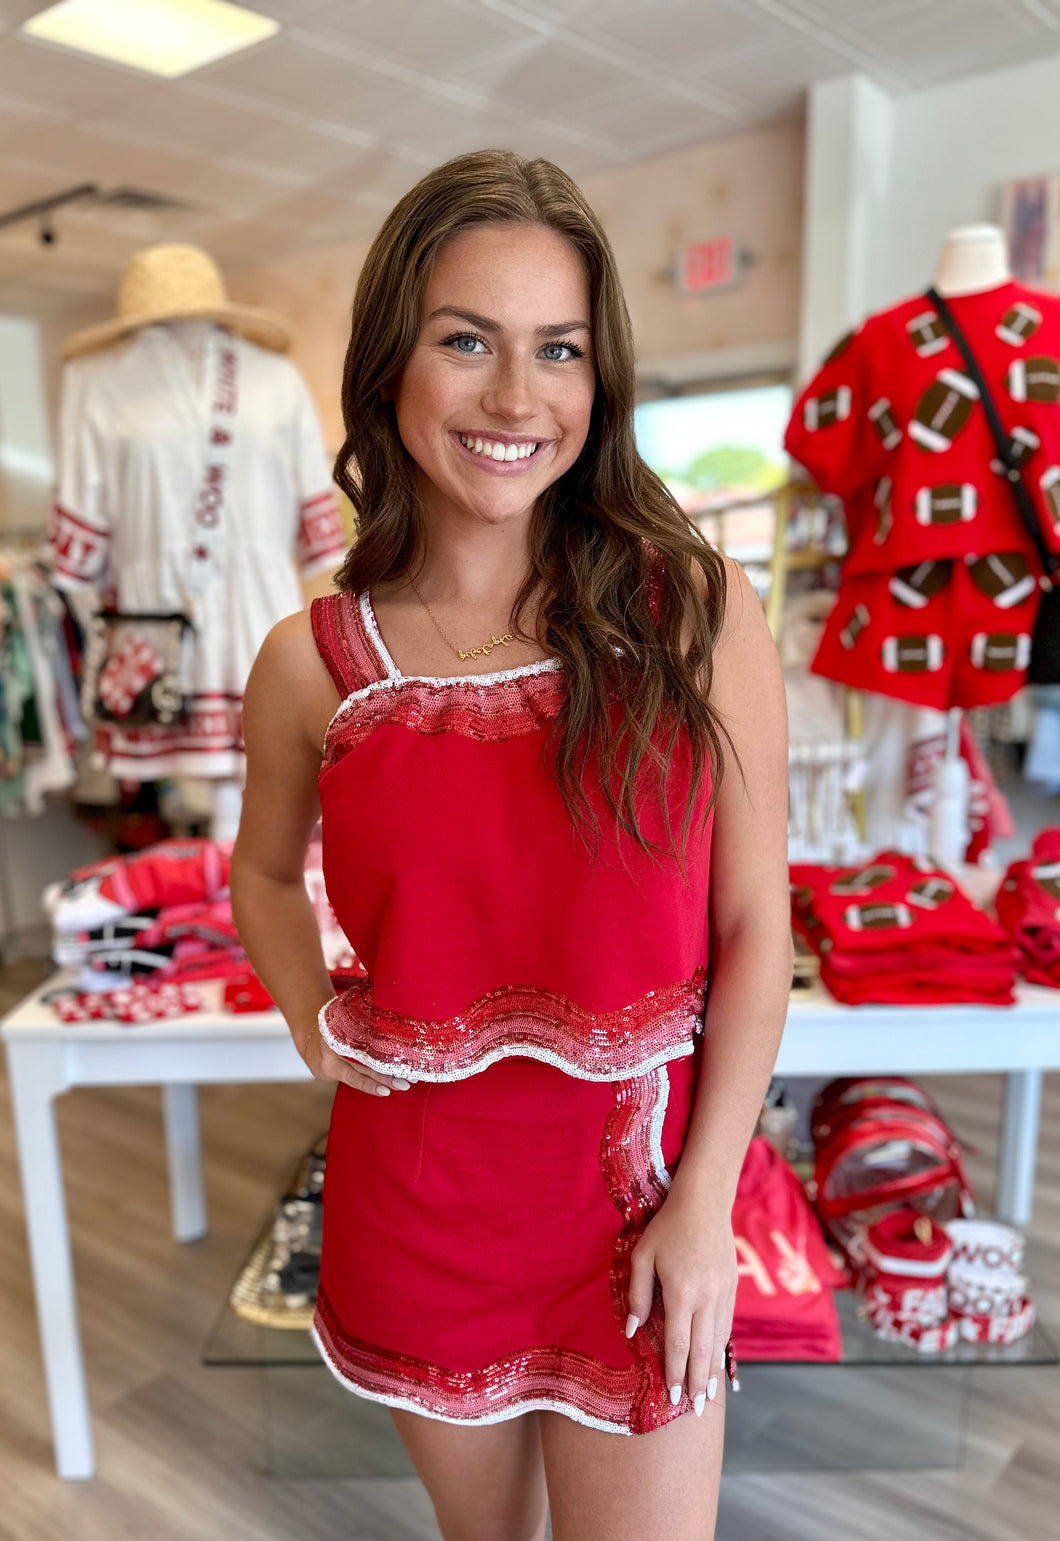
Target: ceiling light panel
[(163, 37)]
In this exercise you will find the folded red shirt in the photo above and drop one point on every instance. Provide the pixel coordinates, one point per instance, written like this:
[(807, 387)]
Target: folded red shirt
[(1028, 906), (899, 930)]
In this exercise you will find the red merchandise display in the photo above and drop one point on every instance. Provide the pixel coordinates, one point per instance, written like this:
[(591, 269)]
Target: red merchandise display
[(899, 930), (784, 1304), (940, 591), (1028, 906)]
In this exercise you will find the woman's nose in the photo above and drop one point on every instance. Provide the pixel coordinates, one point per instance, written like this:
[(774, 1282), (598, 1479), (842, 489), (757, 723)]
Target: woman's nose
[(509, 393)]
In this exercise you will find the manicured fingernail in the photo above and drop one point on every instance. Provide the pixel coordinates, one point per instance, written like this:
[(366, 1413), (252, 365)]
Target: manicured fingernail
[(698, 1404), (632, 1323), (736, 1385), (675, 1394), (382, 1091), (401, 1085), (712, 1388)]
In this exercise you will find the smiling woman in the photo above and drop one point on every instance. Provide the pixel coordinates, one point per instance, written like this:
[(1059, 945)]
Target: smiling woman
[(529, 1249)]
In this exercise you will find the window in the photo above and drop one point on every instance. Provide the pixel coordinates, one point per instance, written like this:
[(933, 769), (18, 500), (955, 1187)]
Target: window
[(719, 447)]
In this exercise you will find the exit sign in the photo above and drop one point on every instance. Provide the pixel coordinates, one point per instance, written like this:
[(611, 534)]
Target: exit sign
[(708, 265)]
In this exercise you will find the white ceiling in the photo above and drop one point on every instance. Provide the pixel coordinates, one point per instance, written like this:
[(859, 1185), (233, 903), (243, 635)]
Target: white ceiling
[(308, 138)]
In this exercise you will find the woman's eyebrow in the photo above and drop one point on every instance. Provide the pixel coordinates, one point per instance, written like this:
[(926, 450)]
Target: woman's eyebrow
[(484, 323)]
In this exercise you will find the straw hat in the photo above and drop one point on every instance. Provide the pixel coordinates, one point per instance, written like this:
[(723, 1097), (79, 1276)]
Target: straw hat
[(171, 282)]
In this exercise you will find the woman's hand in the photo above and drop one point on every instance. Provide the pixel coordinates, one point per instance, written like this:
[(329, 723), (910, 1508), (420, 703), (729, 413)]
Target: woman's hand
[(694, 1255), (326, 1065)]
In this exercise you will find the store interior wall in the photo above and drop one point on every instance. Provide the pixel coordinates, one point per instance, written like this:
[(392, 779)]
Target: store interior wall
[(887, 178)]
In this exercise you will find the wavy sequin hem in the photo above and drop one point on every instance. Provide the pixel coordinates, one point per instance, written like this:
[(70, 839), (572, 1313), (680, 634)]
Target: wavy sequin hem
[(518, 1020), (418, 1387)]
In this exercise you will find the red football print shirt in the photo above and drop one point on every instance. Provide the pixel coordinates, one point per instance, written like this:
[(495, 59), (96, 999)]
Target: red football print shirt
[(940, 583)]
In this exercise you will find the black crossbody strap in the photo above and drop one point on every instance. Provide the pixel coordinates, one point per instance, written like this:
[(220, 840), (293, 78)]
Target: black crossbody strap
[(1024, 501)]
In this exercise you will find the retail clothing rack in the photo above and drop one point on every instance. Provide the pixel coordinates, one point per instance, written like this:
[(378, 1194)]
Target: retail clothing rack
[(47, 1058)]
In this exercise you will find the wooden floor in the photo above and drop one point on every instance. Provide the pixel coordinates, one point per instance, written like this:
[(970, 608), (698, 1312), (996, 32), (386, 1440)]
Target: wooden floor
[(180, 1448)]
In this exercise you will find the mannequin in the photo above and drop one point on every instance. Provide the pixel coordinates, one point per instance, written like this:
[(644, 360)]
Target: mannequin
[(973, 258)]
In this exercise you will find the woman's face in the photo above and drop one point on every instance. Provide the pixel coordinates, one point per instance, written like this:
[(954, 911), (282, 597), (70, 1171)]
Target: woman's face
[(494, 402)]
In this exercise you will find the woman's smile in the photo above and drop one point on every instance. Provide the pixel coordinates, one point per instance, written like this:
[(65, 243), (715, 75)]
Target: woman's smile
[(500, 454)]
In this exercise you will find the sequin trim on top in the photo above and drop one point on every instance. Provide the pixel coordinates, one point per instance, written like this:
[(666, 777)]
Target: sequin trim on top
[(517, 1019), (630, 1400)]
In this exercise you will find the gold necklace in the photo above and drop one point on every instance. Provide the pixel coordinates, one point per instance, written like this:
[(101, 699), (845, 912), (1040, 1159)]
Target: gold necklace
[(461, 653)]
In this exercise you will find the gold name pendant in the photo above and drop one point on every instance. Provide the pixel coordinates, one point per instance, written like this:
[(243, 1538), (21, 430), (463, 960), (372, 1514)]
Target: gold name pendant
[(487, 647)]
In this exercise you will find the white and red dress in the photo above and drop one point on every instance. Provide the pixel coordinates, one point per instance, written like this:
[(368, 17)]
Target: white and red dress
[(940, 585), (478, 1227), (132, 445)]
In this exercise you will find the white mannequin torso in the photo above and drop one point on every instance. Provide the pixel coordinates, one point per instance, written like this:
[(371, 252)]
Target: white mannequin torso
[(973, 258)]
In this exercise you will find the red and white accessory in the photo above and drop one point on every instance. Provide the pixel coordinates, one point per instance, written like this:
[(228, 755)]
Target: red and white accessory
[(987, 1289), (902, 1279)]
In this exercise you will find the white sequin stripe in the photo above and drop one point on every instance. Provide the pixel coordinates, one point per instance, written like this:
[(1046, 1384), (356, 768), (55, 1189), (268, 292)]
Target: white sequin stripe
[(662, 1098), (396, 675), (546, 1404), (502, 1051)]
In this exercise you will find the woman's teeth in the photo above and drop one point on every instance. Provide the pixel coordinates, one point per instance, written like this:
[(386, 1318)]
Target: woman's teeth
[(497, 451)]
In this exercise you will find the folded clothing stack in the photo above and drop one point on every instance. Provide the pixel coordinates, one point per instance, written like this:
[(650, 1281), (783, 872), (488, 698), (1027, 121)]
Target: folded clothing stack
[(144, 930), (784, 1305), (898, 930), (1028, 906)]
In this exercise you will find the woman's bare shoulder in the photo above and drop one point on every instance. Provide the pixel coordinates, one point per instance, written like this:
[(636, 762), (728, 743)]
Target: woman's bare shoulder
[(290, 679)]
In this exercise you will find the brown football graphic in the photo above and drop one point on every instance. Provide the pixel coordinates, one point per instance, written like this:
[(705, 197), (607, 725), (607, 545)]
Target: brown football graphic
[(914, 586), (839, 348), (950, 503), (1049, 481), (882, 419), (1047, 876), (927, 333), (1034, 379), (855, 626), (1006, 578), (863, 882), (830, 407), (932, 892), (943, 410), (1019, 322), (1021, 446), (913, 654), (877, 917), (999, 651)]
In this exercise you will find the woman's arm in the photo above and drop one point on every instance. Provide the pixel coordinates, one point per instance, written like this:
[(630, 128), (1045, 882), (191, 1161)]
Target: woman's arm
[(287, 701), (750, 909), (689, 1243)]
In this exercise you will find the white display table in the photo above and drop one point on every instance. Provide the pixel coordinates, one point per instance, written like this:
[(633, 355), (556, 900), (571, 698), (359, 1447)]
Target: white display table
[(47, 1058)]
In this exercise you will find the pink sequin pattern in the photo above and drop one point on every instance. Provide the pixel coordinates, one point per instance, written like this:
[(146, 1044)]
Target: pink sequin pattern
[(629, 1400), (515, 1019), (503, 709)]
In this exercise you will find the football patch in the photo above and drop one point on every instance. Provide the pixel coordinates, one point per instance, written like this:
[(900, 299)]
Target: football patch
[(999, 651), (1047, 876), (932, 892), (913, 654), (884, 509), (915, 586), (1034, 379), (877, 917), (927, 333), (950, 503), (1006, 579), (1021, 446), (882, 419), (863, 881), (1049, 482), (855, 626), (1019, 323), (943, 410), (828, 408)]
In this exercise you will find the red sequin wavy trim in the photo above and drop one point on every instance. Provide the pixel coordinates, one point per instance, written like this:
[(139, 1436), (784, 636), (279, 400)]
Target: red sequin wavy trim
[(632, 1165), (503, 708), (549, 1376), (518, 1019)]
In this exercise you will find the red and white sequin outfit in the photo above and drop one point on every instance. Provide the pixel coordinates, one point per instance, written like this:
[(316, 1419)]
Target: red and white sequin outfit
[(940, 591), (478, 1227)]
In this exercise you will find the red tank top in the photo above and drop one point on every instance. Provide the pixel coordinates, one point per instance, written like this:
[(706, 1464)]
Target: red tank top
[(484, 924)]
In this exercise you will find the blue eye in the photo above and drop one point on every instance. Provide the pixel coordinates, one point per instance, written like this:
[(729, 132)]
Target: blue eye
[(554, 350), (464, 342)]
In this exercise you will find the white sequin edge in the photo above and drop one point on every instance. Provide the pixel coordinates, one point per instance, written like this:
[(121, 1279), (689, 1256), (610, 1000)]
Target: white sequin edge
[(502, 1051), (397, 677), (545, 1404), (657, 1119)]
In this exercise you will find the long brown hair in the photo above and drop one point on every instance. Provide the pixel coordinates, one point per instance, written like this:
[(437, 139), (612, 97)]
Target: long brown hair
[(588, 531)]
